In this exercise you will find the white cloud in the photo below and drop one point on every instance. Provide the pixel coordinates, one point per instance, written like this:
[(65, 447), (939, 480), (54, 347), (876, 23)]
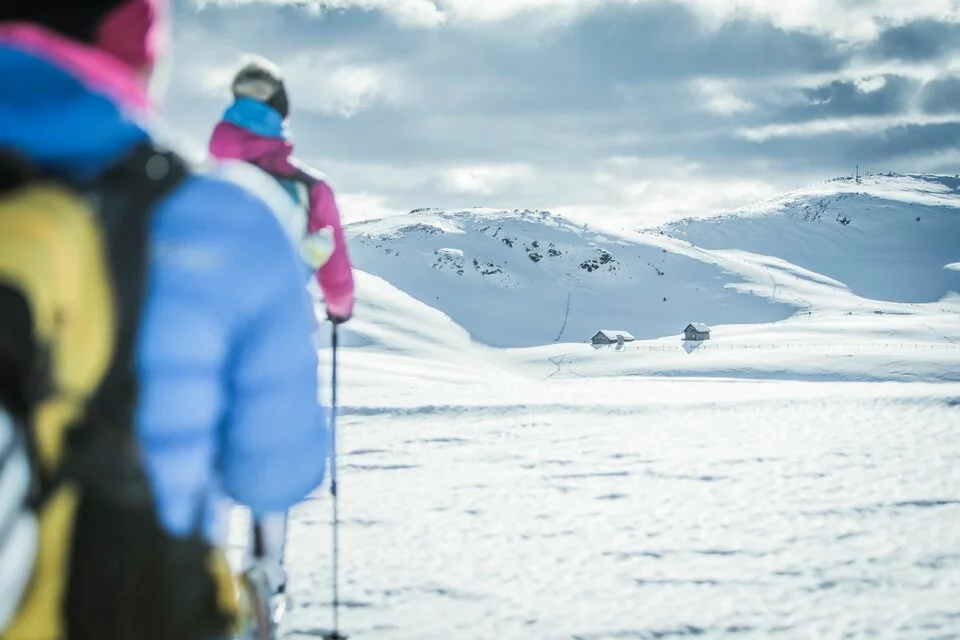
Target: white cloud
[(625, 192), (943, 161), (653, 202), (339, 82), (851, 124), (669, 188), (418, 13), (407, 13), (342, 89), (487, 179), (326, 82), (355, 207), (869, 85), (497, 10), (871, 72), (215, 78), (720, 98), (859, 22)]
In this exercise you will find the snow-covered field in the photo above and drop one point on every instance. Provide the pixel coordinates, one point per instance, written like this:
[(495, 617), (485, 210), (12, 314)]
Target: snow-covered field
[(642, 508), (796, 476)]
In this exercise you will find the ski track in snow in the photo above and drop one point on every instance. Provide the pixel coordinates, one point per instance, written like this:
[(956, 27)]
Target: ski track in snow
[(797, 476)]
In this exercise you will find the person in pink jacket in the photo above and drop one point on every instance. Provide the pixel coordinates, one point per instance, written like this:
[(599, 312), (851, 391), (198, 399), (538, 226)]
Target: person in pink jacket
[(252, 130)]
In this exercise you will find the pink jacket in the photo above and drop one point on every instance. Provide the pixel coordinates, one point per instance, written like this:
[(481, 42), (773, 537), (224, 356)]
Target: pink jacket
[(275, 155)]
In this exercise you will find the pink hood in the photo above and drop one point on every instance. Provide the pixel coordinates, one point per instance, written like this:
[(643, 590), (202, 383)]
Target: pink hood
[(131, 38), (275, 155), (99, 69)]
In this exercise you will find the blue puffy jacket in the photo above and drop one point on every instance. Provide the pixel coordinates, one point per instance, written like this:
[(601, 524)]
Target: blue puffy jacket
[(228, 371)]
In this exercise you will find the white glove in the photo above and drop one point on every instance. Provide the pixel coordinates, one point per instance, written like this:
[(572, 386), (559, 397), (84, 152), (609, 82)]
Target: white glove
[(317, 247)]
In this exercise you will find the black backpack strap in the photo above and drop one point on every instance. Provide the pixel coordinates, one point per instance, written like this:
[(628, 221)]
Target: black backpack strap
[(125, 197), (128, 577), (23, 362)]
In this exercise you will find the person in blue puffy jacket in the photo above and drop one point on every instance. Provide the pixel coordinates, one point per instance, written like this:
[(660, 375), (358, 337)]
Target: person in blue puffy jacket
[(228, 372)]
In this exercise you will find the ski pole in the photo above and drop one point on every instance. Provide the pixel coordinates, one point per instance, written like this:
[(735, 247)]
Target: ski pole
[(335, 634)]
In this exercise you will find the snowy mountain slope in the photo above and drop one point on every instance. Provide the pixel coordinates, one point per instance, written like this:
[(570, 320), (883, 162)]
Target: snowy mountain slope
[(508, 277), (526, 278), (398, 344), (885, 237), (393, 339)]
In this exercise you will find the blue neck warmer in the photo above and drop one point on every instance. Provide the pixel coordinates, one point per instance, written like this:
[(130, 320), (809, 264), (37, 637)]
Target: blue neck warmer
[(257, 117)]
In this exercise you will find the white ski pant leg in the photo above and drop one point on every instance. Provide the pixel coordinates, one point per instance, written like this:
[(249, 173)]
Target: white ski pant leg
[(273, 530)]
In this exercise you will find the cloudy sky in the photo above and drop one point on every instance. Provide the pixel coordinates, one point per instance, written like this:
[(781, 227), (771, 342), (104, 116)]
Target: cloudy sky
[(625, 112)]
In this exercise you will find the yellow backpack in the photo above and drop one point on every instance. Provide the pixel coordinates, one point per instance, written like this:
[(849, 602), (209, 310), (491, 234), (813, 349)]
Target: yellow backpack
[(82, 553)]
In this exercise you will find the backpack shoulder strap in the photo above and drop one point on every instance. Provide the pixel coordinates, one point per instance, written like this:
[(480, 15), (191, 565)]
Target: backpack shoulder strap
[(138, 581), (126, 196)]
